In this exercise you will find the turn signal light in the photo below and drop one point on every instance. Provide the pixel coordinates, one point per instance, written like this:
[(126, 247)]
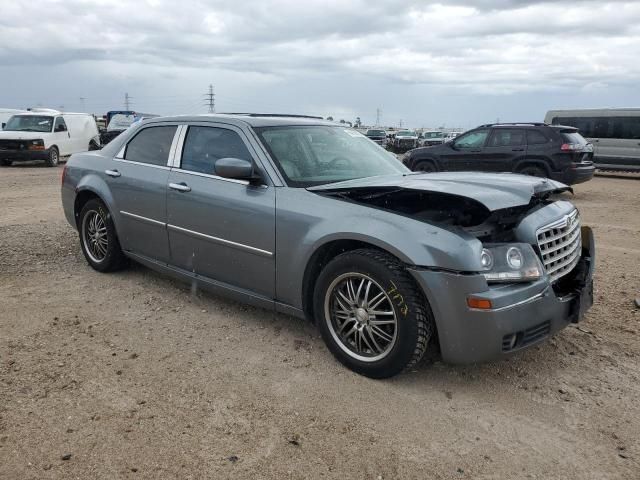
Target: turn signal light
[(479, 303)]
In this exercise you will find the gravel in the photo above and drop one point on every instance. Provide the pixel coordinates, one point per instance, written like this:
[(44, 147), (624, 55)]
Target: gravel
[(153, 380)]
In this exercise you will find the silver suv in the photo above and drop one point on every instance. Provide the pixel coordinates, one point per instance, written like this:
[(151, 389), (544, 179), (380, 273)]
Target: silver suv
[(314, 220)]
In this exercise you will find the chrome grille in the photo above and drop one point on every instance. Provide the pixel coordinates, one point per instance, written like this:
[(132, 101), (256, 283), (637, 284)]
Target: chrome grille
[(560, 245)]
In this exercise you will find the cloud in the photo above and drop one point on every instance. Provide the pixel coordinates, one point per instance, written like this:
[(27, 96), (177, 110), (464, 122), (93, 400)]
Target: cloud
[(486, 47)]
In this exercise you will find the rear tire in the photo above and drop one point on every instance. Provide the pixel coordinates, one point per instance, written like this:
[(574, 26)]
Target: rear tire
[(372, 316), (53, 158), (98, 238), (426, 166), (533, 171)]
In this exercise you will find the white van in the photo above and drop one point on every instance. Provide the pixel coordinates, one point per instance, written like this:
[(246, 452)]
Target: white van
[(614, 133), (43, 134), (6, 114)]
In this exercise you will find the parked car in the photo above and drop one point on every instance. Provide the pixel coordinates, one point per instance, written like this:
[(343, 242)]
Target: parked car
[(378, 136), (404, 140), (431, 138), (614, 133), (47, 135), (312, 219), (537, 149), (118, 121), (450, 136)]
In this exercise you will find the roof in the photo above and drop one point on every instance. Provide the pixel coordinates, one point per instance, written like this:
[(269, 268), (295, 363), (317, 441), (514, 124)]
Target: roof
[(253, 119)]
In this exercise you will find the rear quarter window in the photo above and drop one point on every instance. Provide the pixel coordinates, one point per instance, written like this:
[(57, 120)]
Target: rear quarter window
[(535, 137), (572, 137)]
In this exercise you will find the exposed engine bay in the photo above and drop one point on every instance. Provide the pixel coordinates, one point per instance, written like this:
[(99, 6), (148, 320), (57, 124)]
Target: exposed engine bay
[(445, 210)]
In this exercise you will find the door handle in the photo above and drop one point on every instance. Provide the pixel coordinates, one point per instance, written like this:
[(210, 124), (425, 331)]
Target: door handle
[(181, 187), (113, 173)]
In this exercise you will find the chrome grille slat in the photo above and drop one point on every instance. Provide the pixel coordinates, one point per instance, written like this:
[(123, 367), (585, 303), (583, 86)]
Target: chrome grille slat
[(560, 245)]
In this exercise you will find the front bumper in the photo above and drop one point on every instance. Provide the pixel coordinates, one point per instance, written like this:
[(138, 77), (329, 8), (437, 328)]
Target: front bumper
[(522, 315), (24, 155)]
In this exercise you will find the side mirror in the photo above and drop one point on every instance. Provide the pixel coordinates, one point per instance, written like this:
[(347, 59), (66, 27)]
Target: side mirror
[(4, 125), (235, 168)]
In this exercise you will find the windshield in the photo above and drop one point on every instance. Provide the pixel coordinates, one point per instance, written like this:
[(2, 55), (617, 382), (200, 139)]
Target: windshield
[(29, 123), (406, 133), (432, 135), (376, 133), (317, 155)]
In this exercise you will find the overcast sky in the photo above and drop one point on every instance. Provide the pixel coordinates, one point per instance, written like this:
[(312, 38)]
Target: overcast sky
[(455, 63)]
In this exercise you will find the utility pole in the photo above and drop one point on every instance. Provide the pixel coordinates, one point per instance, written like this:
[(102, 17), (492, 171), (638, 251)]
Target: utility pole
[(400, 123), (210, 99), (127, 101), (378, 113), (82, 99)]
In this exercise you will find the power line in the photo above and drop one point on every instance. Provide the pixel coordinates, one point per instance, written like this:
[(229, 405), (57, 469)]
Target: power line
[(211, 99)]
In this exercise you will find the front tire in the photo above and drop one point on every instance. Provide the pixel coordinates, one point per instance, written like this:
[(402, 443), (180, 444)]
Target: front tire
[(371, 314), (98, 238), (53, 158)]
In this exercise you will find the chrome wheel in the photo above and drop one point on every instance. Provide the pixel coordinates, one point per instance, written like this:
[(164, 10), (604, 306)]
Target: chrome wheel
[(360, 317), (94, 236)]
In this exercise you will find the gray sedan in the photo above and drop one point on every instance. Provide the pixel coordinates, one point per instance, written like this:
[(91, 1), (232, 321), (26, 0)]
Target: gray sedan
[(312, 219)]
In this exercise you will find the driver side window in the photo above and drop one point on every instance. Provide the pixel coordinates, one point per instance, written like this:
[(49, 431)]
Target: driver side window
[(475, 139), (59, 125), (204, 145)]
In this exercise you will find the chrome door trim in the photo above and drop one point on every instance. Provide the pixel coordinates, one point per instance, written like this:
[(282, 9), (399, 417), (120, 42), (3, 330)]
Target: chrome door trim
[(143, 219), (221, 241), (216, 177), (177, 145), (161, 167)]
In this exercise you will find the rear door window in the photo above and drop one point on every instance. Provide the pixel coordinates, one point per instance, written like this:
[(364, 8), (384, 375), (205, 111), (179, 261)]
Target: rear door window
[(204, 145), (503, 137), (151, 145)]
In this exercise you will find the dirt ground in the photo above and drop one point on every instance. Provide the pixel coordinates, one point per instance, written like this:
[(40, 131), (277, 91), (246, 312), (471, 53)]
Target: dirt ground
[(132, 375)]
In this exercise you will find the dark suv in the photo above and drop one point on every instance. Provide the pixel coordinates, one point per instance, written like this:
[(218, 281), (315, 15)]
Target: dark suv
[(553, 151)]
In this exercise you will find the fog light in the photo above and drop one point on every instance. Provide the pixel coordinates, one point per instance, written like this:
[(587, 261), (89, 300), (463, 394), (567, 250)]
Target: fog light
[(514, 258)]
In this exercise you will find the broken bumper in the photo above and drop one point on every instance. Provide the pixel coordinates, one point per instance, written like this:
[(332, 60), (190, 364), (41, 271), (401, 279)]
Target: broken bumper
[(522, 315)]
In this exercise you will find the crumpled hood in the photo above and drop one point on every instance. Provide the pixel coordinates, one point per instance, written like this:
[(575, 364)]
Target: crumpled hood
[(12, 135), (494, 190)]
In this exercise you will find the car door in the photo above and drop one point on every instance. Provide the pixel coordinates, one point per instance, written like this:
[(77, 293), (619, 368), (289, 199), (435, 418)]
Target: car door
[(61, 137), (220, 228), (506, 146), (138, 179), (464, 151)]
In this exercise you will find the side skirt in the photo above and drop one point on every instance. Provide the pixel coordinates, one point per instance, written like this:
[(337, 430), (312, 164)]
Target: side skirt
[(216, 287)]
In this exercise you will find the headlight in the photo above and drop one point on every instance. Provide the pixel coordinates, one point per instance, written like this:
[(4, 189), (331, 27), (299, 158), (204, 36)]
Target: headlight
[(510, 262), (35, 145)]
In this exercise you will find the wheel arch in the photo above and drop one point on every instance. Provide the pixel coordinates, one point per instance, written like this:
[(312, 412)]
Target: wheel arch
[(537, 162), (91, 189), (321, 256)]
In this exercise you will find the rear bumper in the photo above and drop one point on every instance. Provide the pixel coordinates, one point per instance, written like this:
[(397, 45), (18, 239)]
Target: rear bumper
[(24, 155), (578, 174), (523, 315)]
